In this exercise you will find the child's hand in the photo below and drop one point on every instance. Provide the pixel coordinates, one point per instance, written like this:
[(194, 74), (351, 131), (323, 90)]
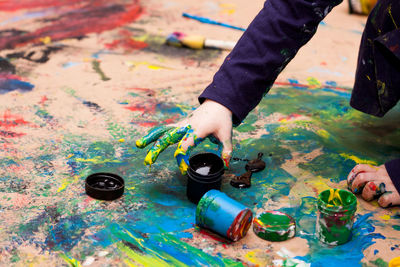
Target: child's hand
[(373, 182), (211, 120)]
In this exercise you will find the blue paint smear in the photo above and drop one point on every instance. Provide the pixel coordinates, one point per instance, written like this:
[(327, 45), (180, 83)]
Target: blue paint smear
[(70, 64), (170, 109), (351, 253), (66, 233), (293, 82), (8, 85)]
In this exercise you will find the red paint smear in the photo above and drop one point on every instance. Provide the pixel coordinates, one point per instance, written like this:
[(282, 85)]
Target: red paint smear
[(144, 108), (226, 160), (73, 22), (372, 186), (43, 100), (7, 76), (171, 120), (9, 121), (212, 236), (146, 123), (291, 116), (126, 42), (341, 89)]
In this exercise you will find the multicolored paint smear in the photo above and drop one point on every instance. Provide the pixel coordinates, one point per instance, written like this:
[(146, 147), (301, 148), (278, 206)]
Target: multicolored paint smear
[(61, 120), (68, 19)]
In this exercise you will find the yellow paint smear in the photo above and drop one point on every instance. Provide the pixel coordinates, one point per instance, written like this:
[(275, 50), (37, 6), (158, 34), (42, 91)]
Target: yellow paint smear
[(45, 40), (323, 133), (71, 261), (135, 64), (228, 8), (313, 82), (98, 160), (253, 258), (358, 160), (385, 217), (67, 182)]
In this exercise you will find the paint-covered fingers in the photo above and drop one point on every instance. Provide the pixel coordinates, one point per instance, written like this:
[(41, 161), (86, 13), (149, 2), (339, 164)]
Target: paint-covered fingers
[(224, 149), (185, 146), (360, 180), (360, 168), (227, 153), (373, 190), (388, 199), (225, 137), (152, 135), (170, 137)]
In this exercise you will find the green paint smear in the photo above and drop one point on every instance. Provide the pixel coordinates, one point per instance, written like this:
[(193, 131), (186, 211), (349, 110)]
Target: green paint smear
[(156, 200), (396, 227), (275, 222), (96, 67), (379, 263)]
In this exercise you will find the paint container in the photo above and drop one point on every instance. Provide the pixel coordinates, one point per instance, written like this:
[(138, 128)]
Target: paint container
[(363, 7), (223, 215), (274, 226), (204, 173), (336, 208), (104, 186)]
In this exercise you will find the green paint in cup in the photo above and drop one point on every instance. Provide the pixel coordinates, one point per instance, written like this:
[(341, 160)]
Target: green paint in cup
[(336, 208)]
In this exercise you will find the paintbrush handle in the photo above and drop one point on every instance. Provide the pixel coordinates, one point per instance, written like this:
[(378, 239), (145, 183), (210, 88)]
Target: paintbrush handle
[(227, 45)]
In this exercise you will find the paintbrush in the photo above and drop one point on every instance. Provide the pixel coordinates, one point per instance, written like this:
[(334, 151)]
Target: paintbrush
[(210, 21), (197, 42)]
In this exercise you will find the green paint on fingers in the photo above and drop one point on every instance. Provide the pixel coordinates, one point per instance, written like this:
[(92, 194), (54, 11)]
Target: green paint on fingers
[(169, 138), (152, 136)]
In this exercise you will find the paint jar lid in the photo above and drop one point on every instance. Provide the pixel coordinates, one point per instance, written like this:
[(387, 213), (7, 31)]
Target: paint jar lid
[(274, 226), (104, 186)]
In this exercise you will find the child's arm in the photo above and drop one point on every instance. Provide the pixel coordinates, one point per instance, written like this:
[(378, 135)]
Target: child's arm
[(273, 38)]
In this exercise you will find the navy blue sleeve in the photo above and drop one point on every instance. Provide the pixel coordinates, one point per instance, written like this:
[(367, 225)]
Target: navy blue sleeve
[(393, 169), (272, 39)]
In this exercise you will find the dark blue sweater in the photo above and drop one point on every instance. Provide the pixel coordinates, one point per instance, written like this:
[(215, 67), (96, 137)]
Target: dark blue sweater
[(277, 33)]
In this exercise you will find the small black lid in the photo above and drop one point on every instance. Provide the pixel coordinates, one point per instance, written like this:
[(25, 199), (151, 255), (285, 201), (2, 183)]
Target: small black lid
[(104, 186)]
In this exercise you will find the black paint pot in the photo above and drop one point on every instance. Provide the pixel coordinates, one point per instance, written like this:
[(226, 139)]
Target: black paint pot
[(204, 173), (104, 186)]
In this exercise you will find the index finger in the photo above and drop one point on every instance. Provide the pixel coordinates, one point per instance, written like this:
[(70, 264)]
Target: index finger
[(169, 138), (152, 135)]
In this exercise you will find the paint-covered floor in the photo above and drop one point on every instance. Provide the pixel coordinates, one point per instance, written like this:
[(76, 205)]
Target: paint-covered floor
[(82, 80)]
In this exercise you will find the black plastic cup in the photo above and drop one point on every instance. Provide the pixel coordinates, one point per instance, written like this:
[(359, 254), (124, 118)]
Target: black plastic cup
[(204, 173)]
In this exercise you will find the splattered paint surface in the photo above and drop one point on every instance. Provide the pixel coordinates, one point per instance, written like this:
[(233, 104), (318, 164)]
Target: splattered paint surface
[(81, 81)]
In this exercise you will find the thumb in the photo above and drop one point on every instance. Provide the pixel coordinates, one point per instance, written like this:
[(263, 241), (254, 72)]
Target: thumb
[(185, 146)]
